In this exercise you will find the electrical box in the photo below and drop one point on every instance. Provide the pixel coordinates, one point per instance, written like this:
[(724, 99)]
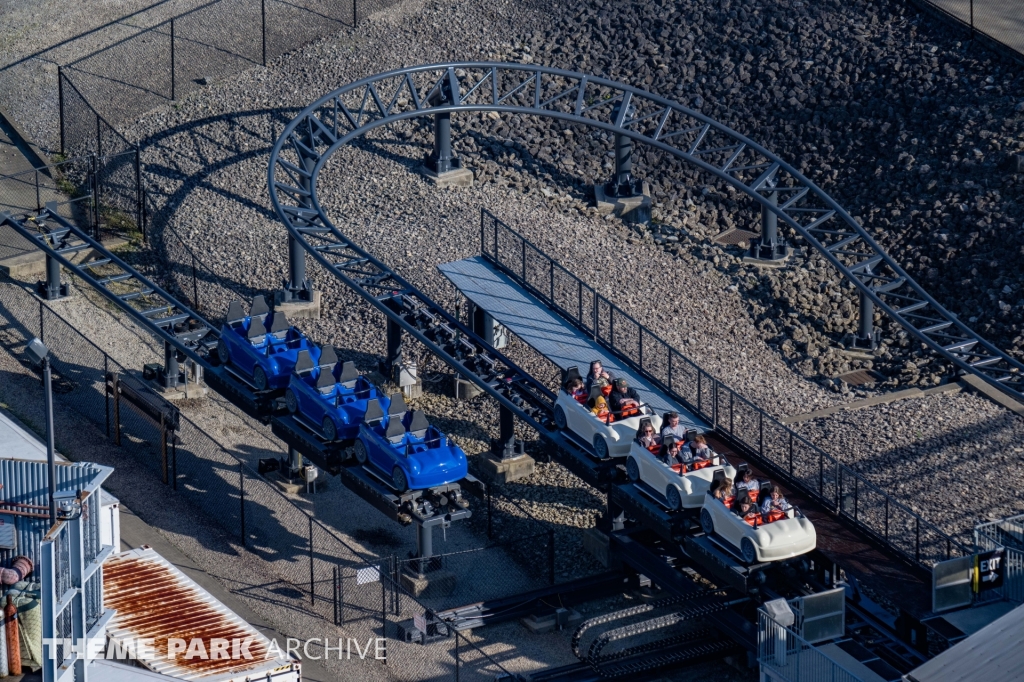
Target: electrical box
[(780, 612), (487, 328), (8, 532)]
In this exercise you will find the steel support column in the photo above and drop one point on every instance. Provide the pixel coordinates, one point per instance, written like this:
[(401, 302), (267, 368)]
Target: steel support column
[(769, 246), (393, 358), (507, 446), (623, 184), (172, 375), (298, 288), (442, 159), (867, 336), (52, 288)]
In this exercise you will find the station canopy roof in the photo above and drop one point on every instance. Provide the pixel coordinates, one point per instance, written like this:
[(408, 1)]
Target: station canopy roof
[(993, 654)]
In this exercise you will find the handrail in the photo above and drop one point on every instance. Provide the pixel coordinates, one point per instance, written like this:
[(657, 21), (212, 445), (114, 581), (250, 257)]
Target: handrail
[(792, 658), (836, 504)]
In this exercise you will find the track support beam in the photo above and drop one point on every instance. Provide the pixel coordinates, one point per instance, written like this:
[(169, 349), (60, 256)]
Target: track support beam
[(769, 247), (396, 366)]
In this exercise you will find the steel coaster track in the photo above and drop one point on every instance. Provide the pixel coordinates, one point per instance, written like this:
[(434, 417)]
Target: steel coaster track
[(355, 109), (147, 303)]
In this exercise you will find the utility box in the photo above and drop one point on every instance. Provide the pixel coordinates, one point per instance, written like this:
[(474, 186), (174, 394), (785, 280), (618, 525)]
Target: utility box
[(110, 520), (487, 328)]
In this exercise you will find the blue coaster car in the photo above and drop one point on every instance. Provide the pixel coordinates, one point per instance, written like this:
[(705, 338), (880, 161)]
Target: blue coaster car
[(330, 395), (405, 447), (265, 352)]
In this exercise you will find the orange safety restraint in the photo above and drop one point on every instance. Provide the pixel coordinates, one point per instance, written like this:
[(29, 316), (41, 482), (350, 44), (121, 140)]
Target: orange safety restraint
[(753, 494), (701, 465), (775, 515), (753, 519), (629, 412), (606, 390), (679, 468)]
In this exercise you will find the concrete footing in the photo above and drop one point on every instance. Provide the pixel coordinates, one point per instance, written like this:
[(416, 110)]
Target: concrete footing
[(437, 583), (458, 177), (27, 266), (291, 487), (189, 392), (466, 390), (635, 209), (596, 543), (304, 310), (494, 470), (780, 263), (562, 619)]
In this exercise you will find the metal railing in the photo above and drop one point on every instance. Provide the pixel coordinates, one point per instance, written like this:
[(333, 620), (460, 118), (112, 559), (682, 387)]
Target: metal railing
[(1008, 534), (754, 432), (786, 656), (998, 21)]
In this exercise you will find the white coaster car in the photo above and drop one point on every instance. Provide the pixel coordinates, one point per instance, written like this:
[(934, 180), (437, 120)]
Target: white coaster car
[(610, 438), (680, 490), (787, 537)]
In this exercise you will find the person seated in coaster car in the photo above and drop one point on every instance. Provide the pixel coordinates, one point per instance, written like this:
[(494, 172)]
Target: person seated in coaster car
[(700, 451), (670, 426), (728, 492), (775, 505), (600, 409), (648, 438), (675, 456), (745, 508), (574, 387), (624, 401), (597, 374), (750, 484)]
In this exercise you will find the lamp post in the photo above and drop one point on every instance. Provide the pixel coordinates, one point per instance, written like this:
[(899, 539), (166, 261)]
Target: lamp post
[(40, 355)]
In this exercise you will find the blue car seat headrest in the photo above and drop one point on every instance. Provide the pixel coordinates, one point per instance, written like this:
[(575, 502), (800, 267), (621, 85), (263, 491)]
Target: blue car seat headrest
[(279, 327), (326, 378), (259, 307), (398, 407), (374, 413), (328, 357), (304, 362), (395, 429), (418, 425), (256, 329), (349, 374), (235, 314)]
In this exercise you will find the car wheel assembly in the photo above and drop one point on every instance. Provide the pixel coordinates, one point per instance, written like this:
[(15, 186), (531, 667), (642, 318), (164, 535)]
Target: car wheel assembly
[(359, 451), (259, 379), (600, 447), (632, 470), (560, 420), (398, 478), (675, 501), (707, 524), (330, 432), (290, 401)]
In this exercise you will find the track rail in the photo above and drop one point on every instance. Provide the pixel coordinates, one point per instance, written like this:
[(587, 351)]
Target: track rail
[(147, 303), (355, 109)]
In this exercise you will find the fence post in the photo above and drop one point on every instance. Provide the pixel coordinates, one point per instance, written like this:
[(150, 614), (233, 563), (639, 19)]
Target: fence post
[(714, 406), (163, 450), (60, 106), (640, 350), (551, 277), (263, 16), (790, 453), (457, 663), (106, 393), (551, 556), (38, 205), (174, 465), (760, 433), (483, 232), (99, 137), (522, 242), (917, 538), (95, 197), (490, 516), (312, 585), (887, 518), (355, 13), (732, 399), (138, 193), (595, 315), (384, 616), (172, 60), (195, 285), (334, 591), (821, 474), (241, 497), (579, 301)]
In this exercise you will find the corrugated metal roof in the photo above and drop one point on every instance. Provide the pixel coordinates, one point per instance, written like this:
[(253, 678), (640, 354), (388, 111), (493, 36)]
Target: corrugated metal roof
[(993, 654), (25, 482), (154, 600)]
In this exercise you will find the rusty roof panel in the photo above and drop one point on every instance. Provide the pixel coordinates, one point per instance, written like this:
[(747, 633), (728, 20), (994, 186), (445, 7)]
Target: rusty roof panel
[(154, 600)]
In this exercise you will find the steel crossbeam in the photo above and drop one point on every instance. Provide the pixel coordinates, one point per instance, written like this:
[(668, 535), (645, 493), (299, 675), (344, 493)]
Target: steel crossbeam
[(355, 109), (131, 291)]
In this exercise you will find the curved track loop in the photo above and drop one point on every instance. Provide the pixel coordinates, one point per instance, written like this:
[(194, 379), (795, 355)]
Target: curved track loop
[(355, 109)]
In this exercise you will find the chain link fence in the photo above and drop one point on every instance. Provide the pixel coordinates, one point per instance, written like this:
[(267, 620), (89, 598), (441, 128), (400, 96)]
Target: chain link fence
[(162, 63), (999, 21)]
